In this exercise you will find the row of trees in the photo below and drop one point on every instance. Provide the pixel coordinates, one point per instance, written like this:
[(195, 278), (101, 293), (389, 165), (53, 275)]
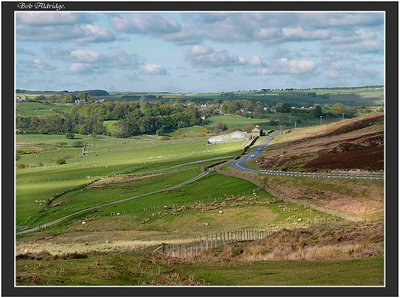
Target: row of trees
[(53, 124), (134, 118)]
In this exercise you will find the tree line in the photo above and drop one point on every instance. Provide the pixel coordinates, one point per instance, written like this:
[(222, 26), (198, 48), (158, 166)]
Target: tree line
[(134, 118)]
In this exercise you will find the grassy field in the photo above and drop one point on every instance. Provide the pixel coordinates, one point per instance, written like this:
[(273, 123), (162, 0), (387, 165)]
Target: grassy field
[(140, 269), (175, 215), (294, 273), (41, 109), (106, 156), (235, 120), (288, 121)]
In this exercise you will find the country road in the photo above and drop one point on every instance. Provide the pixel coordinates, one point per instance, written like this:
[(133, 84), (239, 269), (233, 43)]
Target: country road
[(56, 221), (241, 164)]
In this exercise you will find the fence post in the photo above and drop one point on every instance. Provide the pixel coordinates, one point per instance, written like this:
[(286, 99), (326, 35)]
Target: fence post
[(173, 250), (163, 247)]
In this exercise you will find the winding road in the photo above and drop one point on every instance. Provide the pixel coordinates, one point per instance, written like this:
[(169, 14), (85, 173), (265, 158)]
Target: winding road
[(241, 164)]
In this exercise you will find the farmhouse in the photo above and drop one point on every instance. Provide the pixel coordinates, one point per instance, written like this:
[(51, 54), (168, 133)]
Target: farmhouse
[(256, 132)]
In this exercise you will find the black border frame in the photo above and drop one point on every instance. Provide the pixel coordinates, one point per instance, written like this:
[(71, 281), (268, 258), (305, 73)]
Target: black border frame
[(391, 121)]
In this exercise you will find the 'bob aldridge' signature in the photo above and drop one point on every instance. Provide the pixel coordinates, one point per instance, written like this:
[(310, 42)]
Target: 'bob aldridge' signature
[(40, 5)]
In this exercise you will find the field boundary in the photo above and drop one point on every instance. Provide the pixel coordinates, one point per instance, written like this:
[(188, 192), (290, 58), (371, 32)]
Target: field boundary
[(188, 250)]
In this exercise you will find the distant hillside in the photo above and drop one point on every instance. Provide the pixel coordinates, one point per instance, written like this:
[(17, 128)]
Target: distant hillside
[(96, 92)]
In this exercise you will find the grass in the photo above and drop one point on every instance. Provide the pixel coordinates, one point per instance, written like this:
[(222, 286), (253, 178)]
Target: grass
[(174, 215), (235, 120), (293, 273), (41, 109), (106, 156), (134, 268)]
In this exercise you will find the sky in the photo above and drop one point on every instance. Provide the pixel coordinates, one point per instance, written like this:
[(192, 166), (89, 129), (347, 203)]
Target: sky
[(198, 52)]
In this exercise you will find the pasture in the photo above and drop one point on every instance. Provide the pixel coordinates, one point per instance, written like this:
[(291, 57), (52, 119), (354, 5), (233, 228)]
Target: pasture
[(286, 119), (235, 120), (105, 156), (35, 108)]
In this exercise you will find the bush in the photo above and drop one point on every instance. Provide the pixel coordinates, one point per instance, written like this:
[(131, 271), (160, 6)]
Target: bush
[(70, 136), (21, 166), (78, 144), (61, 144), (221, 126), (61, 160)]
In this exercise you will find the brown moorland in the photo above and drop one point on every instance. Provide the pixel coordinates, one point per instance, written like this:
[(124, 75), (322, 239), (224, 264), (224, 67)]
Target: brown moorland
[(352, 144)]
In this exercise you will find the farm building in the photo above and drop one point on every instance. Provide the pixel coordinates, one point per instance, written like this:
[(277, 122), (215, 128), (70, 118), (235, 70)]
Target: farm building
[(236, 136), (256, 132)]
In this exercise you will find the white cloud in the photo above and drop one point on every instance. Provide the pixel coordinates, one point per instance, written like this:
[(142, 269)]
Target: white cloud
[(154, 69), (53, 18), (94, 61), (255, 60), (200, 55), (64, 26), (38, 63), (146, 23), (95, 33), (86, 55), (302, 34), (295, 66), (79, 67), (201, 50)]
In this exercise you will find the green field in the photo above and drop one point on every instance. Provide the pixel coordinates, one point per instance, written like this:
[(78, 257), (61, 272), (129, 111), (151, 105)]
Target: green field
[(235, 120), (286, 119), (41, 109), (106, 156), (141, 269)]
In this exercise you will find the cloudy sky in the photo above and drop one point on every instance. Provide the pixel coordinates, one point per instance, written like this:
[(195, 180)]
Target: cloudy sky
[(197, 52)]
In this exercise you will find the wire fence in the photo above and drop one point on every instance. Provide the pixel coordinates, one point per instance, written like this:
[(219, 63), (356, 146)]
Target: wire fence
[(206, 242)]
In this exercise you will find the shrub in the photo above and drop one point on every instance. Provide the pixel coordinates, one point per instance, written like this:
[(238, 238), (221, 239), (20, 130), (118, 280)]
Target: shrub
[(78, 144), (70, 136), (61, 160), (21, 166), (61, 144)]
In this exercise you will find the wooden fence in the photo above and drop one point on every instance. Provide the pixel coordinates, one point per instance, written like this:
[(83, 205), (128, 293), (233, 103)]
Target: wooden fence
[(205, 242)]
